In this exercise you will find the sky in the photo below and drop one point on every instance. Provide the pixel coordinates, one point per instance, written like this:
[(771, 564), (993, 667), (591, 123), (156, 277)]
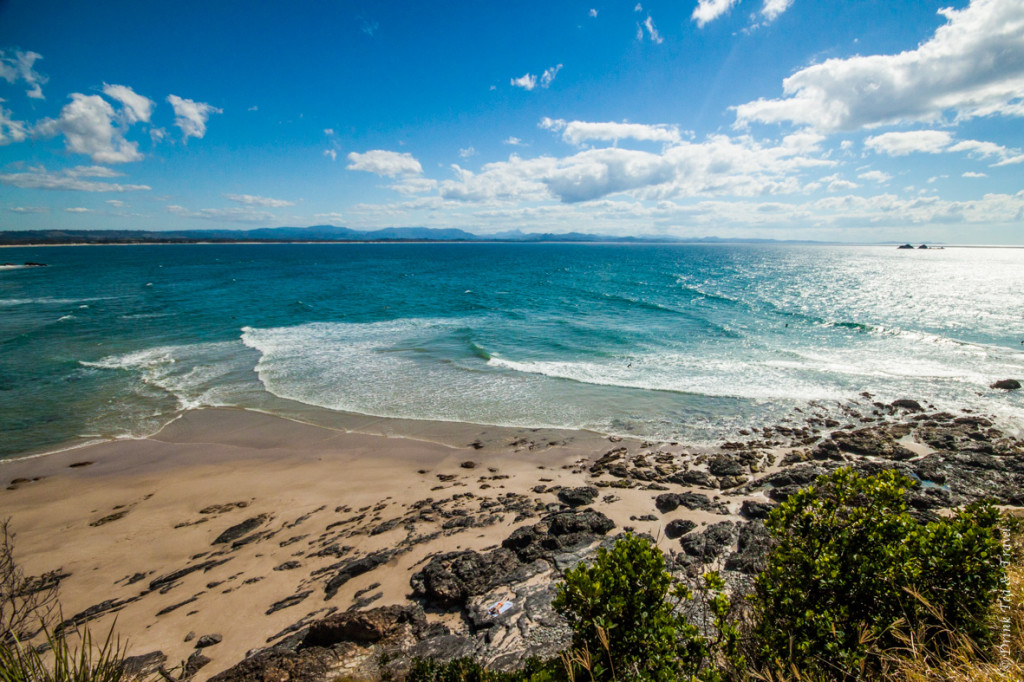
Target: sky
[(855, 120)]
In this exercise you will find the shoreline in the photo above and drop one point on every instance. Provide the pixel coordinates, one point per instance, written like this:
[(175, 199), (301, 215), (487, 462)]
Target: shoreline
[(237, 523)]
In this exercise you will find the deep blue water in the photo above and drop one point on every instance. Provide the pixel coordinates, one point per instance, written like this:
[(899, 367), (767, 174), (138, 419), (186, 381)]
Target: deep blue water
[(668, 342)]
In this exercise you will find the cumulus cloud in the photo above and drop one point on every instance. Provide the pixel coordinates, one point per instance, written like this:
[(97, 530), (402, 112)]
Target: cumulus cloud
[(937, 142), (78, 209), (718, 166), (467, 152), (709, 10), (592, 13), (773, 8), (191, 116), (88, 124), (973, 66), (875, 176), (77, 178), (512, 140), (10, 130), (135, 107), (972, 174), (384, 162), (527, 81), (578, 132), (253, 200), (20, 66)]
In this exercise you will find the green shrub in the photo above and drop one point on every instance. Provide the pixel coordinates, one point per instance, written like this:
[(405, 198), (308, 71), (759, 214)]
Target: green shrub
[(851, 567), (624, 610), (468, 670)]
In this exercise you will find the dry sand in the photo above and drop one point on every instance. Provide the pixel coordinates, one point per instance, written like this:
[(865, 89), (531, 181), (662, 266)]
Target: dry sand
[(142, 509)]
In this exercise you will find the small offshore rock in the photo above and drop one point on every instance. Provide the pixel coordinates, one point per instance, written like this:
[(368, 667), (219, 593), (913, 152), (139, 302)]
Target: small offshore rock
[(1006, 384)]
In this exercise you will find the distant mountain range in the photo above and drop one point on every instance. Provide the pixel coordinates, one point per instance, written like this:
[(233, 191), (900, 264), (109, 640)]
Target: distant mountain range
[(325, 233)]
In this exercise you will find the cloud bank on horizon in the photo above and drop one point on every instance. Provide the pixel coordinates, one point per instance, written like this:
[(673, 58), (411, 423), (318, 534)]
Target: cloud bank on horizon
[(708, 119)]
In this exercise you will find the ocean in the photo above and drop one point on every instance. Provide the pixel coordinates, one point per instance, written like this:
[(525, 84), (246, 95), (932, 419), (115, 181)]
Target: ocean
[(667, 342)]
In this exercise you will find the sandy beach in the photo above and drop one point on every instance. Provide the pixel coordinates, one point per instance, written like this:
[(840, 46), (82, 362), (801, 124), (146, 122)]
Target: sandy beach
[(119, 517)]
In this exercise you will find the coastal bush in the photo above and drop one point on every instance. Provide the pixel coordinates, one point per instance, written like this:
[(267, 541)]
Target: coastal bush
[(851, 572), (59, 662), (625, 613)]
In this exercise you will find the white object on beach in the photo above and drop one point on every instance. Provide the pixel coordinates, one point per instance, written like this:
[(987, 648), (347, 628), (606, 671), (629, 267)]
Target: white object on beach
[(499, 607)]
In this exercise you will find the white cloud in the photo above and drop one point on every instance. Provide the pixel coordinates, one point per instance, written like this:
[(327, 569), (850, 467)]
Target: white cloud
[(70, 179), (638, 8), (467, 152), (20, 66), (88, 126), (116, 203), (774, 8), (973, 66), (331, 153), (875, 176), (10, 130), (718, 166), (414, 185), (915, 141), (384, 162), (578, 132), (191, 116), (592, 13), (709, 10), (652, 31), (527, 81), (972, 174), (28, 209), (512, 140), (157, 135), (135, 107), (252, 200), (329, 132), (548, 76), (230, 215), (78, 209), (936, 142)]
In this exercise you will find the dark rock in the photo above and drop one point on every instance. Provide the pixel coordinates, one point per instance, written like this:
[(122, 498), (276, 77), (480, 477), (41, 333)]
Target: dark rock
[(871, 441), (144, 665), (726, 466), (1006, 384), (906, 404), (709, 544), (196, 661), (364, 626), (237, 531), (288, 566), (468, 464), (678, 527), (559, 532), (667, 502), (356, 567), (288, 602), (753, 509), (693, 477), (208, 640), (280, 665), (751, 549), (578, 497), (165, 580), (450, 579)]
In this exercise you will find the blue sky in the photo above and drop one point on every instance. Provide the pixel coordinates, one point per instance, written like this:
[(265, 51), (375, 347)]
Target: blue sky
[(855, 121)]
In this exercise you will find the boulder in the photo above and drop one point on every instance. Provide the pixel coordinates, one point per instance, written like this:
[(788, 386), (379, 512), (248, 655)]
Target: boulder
[(678, 527), (1006, 384), (364, 626), (578, 497)]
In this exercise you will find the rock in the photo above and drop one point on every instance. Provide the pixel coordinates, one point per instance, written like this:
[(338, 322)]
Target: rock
[(709, 544), (558, 532), (190, 636), (1006, 384), (871, 441), (364, 626), (450, 579), (693, 477), (143, 666), (726, 466), (753, 509), (196, 661), (578, 497), (751, 549), (468, 464), (288, 602), (667, 502), (208, 640), (678, 527), (906, 404), (356, 567), (281, 665), (238, 530)]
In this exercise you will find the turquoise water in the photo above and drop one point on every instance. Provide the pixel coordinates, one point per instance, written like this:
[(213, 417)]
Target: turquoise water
[(667, 342)]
